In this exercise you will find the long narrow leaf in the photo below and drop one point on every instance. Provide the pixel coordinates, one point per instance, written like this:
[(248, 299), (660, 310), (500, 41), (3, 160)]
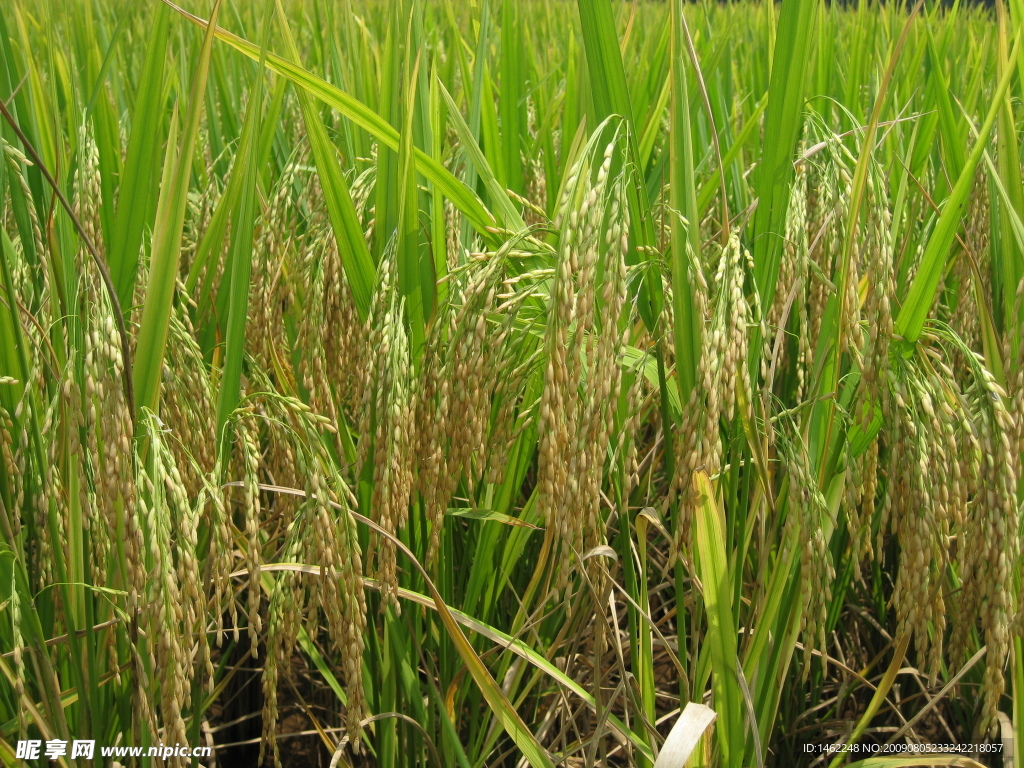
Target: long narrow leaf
[(163, 266), (910, 320), (712, 565)]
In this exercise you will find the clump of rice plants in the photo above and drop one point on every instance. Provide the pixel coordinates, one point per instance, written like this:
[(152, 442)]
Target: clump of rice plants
[(510, 383)]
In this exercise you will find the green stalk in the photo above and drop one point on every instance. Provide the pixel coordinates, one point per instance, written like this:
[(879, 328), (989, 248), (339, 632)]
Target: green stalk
[(242, 233), (911, 319), (686, 241), (782, 127), (163, 265)]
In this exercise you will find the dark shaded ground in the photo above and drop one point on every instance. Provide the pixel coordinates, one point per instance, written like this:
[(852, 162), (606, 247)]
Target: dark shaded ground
[(237, 720)]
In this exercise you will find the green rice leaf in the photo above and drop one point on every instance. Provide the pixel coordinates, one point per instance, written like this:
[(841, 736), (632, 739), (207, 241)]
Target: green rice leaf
[(355, 256), (141, 169), (713, 567), (244, 219), (911, 319), (463, 198), (783, 123), (163, 266), (686, 241)]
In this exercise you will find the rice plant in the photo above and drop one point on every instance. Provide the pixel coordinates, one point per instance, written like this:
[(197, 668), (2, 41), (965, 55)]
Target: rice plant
[(511, 383)]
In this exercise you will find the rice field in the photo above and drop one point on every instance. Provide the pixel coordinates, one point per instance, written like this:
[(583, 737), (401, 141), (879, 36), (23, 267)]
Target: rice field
[(499, 383)]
